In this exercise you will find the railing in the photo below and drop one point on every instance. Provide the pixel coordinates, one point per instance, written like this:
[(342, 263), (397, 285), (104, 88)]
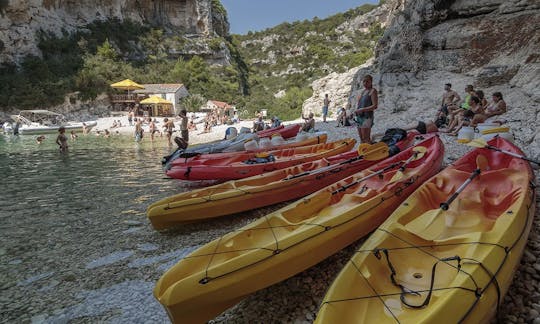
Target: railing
[(124, 98)]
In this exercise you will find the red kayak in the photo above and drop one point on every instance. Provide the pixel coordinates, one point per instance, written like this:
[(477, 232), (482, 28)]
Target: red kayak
[(285, 131), (319, 139), (249, 164)]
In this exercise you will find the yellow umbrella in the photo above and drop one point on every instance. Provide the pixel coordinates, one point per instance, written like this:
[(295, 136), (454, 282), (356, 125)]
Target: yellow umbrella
[(155, 100), (127, 84)]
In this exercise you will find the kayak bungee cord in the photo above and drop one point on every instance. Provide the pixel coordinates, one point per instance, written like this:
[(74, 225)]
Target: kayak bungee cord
[(478, 291), (374, 152), (399, 188)]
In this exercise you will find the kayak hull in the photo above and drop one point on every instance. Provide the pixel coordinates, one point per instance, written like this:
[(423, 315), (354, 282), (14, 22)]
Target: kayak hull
[(285, 131), (288, 241), (318, 139), (458, 263), (261, 190), (235, 167)]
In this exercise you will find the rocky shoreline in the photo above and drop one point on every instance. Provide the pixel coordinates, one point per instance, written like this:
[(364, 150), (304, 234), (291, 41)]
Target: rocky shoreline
[(106, 271)]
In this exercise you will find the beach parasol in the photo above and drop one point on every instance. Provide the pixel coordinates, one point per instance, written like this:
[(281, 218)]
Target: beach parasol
[(127, 84), (155, 100)]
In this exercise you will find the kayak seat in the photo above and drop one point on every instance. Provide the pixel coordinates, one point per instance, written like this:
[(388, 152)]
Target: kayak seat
[(474, 210)]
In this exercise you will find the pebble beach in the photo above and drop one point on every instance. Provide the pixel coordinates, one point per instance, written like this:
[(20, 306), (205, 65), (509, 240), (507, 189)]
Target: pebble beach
[(103, 268)]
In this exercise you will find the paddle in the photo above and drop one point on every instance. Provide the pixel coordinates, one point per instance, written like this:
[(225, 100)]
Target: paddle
[(366, 151), (413, 157), (481, 164), (422, 226), (481, 143), (418, 152)]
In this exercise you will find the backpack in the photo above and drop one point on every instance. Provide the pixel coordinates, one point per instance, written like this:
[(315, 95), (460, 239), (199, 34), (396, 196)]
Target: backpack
[(391, 137)]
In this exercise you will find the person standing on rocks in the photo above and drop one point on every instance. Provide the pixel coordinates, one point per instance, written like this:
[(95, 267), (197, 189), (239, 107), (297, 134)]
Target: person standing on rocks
[(364, 115), (325, 107)]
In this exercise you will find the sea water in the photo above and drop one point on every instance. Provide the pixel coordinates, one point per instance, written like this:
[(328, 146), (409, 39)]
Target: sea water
[(70, 222)]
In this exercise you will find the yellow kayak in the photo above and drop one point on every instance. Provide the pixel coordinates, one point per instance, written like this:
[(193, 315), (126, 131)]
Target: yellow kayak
[(448, 253), (294, 238)]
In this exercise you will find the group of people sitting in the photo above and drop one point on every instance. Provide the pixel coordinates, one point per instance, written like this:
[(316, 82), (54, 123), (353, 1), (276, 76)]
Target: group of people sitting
[(259, 124), (474, 109)]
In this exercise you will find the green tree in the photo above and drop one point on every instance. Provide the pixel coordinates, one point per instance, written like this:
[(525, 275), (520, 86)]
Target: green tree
[(193, 102), (155, 44), (100, 70), (106, 51)]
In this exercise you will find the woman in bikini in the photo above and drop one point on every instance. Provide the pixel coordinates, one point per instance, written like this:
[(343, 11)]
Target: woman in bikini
[(496, 107)]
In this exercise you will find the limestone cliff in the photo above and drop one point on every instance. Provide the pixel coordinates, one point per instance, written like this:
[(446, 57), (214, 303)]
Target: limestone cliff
[(491, 44), (21, 20), (338, 85)]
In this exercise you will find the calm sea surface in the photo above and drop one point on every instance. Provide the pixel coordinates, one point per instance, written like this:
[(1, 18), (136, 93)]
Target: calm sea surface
[(75, 242), (59, 213), (97, 172)]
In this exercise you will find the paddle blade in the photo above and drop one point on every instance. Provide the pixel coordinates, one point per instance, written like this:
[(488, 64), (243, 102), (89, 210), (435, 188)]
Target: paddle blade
[(478, 142), (482, 162), (373, 152), (397, 176), (418, 153), (363, 147)]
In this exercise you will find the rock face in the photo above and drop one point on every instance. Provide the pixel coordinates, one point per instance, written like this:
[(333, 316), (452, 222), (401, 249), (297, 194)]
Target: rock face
[(338, 85), (491, 44), (381, 15), (21, 20), (338, 88)]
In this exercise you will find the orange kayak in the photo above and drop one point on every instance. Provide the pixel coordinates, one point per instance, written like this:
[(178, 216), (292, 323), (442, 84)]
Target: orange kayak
[(261, 190), (248, 164), (283, 243)]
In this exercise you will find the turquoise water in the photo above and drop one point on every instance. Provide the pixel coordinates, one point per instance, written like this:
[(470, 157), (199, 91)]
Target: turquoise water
[(75, 242), (60, 212), (95, 172)]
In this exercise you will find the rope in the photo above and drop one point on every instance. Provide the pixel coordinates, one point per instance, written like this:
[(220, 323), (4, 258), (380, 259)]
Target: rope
[(406, 291), (188, 171), (277, 250), (383, 197), (375, 291), (205, 279), (478, 291)]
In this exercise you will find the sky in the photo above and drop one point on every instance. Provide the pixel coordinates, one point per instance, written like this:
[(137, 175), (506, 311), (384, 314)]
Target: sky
[(256, 15)]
